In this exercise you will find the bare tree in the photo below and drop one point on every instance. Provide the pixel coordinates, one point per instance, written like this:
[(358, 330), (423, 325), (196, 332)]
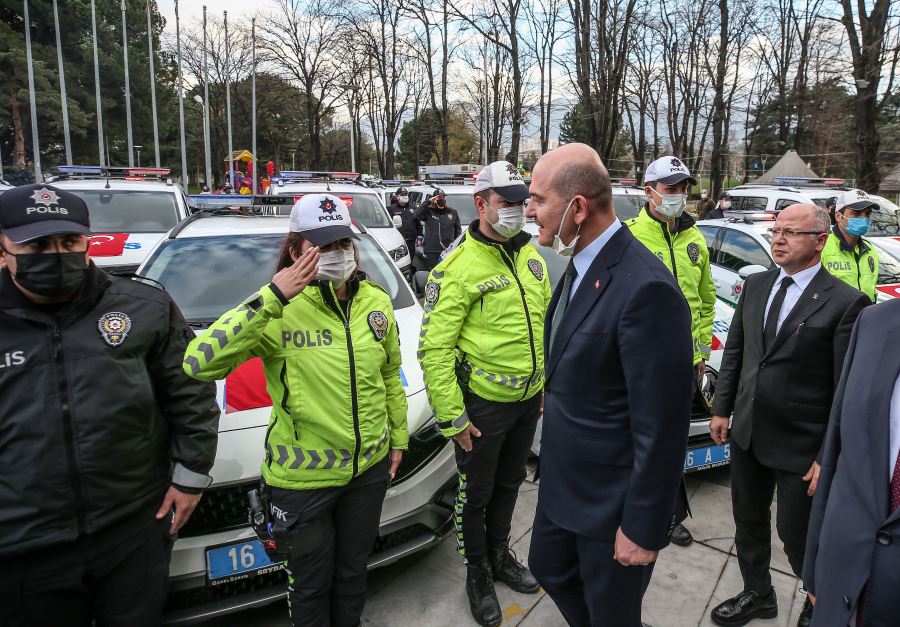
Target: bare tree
[(541, 42)]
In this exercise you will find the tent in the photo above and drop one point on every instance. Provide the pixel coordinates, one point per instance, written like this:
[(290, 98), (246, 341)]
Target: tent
[(891, 183), (240, 155), (789, 166)]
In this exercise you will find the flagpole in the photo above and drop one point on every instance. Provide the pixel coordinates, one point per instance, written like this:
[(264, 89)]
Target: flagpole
[(35, 143), (228, 103), (206, 142), (127, 90), (97, 85), (152, 86), (62, 87), (253, 105), (184, 170)]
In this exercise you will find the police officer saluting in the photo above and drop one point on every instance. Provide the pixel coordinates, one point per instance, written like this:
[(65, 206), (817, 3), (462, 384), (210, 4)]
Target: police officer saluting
[(440, 224), (409, 227), (331, 355), (105, 443), (671, 235), (482, 354), (847, 255)]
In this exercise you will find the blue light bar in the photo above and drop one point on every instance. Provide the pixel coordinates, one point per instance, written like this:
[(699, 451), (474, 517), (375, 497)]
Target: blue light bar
[(208, 201), (80, 169)]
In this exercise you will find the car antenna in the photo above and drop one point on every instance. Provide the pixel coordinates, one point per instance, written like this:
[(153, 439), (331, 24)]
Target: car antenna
[(107, 178)]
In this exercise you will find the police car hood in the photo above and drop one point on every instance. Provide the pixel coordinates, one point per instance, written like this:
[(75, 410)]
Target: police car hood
[(244, 402), (122, 249)]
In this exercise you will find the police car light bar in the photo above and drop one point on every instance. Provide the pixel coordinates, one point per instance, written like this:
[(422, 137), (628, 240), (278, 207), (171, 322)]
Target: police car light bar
[(301, 175), (750, 216), (74, 171), (802, 180), (223, 201), (623, 181)]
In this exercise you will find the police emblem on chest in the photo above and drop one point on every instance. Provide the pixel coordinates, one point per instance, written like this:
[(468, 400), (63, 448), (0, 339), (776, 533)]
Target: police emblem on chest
[(432, 292), (693, 251), (871, 264), (114, 327), (536, 269), (378, 322)]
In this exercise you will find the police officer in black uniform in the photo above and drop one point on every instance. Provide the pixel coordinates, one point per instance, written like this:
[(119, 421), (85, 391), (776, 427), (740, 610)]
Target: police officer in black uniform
[(440, 224), (105, 444), (409, 228)]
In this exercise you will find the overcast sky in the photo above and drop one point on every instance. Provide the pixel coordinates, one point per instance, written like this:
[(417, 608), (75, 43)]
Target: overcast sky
[(192, 10)]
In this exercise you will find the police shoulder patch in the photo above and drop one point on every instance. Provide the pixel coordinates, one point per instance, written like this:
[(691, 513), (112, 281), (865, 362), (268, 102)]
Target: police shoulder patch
[(114, 327), (432, 293), (693, 251), (378, 322), (871, 264), (536, 269)]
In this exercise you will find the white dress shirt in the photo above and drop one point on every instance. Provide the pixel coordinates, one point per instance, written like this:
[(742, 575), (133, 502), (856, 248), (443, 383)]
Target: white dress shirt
[(894, 448), (585, 258), (801, 280)]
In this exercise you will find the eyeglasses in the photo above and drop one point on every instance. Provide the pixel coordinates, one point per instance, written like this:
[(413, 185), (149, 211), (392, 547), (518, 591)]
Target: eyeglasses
[(790, 233)]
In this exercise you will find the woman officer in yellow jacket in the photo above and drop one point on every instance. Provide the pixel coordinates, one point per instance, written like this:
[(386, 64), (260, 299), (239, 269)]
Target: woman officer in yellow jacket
[(331, 355)]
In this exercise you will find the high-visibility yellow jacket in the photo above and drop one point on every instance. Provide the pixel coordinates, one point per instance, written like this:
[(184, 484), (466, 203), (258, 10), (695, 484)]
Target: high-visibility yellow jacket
[(856, 266)]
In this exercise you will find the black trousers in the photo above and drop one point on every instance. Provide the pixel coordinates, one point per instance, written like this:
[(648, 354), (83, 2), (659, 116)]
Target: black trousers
[(118, 578), (589, 587), (752, 488), (491, 473), (336, 528)]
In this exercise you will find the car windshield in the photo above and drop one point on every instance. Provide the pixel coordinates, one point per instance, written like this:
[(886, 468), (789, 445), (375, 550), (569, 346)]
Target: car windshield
[(194, 270), (365, 209), (885, 220), (888, 263), (129, 211), (465, 207), (627, 207)]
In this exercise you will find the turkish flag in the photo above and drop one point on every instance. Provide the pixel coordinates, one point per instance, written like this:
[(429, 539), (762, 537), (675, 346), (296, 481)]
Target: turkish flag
[(245, 387), (107, 244), (892, 290)]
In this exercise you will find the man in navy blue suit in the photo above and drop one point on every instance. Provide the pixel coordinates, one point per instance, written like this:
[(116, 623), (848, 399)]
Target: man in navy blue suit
[(852, 564), (617, 399)]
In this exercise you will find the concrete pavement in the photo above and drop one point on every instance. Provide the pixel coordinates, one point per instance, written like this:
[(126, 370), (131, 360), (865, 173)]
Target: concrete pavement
[(427, 590)]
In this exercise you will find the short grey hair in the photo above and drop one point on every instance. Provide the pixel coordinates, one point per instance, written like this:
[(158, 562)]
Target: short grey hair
[(821, 220), (589, 180)]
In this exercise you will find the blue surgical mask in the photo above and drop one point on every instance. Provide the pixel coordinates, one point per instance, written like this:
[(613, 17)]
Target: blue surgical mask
[(857, 227)]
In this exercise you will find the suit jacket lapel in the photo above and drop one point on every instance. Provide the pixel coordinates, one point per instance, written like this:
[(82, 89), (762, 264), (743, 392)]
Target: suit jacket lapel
[(883, 376), (591, 287), (757, 318), (813, 297)]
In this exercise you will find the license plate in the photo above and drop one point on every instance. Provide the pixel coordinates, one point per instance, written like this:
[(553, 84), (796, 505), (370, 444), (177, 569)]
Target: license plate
[(241, 560), (707, 457)]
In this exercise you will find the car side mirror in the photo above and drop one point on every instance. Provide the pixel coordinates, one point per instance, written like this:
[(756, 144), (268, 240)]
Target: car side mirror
[(751, 269), (420, 279), (398, 221)]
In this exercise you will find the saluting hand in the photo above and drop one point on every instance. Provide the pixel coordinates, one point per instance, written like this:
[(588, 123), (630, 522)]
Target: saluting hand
[(294, 279)]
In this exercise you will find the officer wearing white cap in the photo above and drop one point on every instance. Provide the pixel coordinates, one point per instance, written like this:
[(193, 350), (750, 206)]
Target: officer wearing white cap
[(106, 444), (331, 354), (671, 234), (847, 255), (482, 354)]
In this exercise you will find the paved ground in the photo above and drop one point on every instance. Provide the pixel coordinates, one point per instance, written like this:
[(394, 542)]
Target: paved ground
[(427, 590)]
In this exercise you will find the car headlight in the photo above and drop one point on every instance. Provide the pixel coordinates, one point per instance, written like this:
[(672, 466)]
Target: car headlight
[(424, 445), (399, 253)]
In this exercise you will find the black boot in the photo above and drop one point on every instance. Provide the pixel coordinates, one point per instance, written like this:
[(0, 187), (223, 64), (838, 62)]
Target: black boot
[(483, 601), (508, 570)]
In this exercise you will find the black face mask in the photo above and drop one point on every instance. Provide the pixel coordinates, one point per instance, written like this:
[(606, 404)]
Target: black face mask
[(440, 204), (50, 274)]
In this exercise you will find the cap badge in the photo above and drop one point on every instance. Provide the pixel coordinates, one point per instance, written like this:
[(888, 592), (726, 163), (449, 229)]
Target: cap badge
[(45, 197), (114, 327), (536, 269), (327, 205), (693, 251), (861, 194), (378, 322)]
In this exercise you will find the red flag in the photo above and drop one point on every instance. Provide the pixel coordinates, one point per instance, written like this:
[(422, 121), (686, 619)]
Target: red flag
[(107, 244), (245, 388)]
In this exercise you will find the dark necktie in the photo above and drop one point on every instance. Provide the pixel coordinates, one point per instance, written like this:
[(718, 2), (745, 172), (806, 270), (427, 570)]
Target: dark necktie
[(563, 303), (895, 487), (771, 327)]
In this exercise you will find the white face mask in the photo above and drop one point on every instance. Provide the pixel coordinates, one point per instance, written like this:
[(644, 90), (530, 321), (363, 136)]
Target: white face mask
[(672, 205), (402, 200), (704, 196), (726, 204), (558, 247), (510, 222), (336, 266)]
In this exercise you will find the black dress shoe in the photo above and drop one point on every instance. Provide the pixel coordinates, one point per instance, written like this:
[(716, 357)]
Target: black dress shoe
[(506, 568), (806, 614), (743, 608), (483, 601), (680, 535)]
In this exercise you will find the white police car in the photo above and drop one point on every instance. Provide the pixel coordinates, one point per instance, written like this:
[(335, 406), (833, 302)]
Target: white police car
[(4, 186), (366, 205), (131, 210), (739, 245), (208, 263)]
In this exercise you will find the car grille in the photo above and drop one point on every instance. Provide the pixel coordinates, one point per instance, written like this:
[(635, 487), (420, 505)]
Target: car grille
[(399, 253), (121, 270), (221, 508), (423, 447)]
